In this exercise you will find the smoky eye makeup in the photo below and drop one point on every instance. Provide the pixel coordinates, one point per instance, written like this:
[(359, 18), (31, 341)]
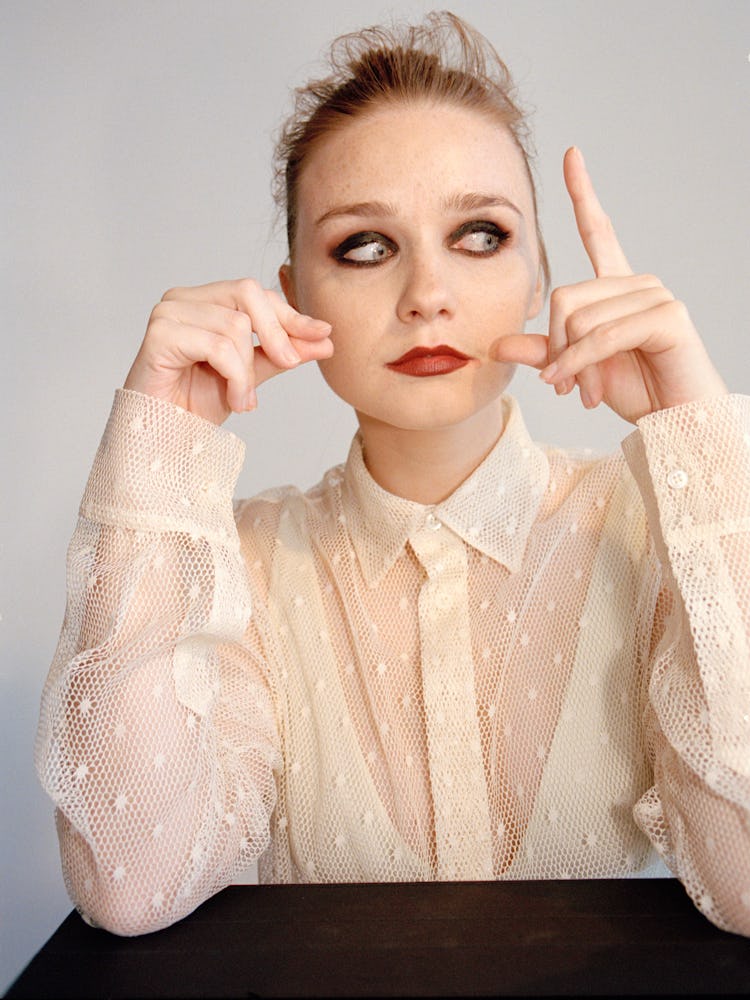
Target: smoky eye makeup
[(364, 249), (480, 237), (475, 238)]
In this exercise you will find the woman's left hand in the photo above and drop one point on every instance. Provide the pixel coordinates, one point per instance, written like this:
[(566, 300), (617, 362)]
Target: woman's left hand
[(623, 338)]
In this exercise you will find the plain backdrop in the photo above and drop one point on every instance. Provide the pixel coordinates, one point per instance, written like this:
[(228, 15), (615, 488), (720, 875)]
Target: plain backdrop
[(136, 145)]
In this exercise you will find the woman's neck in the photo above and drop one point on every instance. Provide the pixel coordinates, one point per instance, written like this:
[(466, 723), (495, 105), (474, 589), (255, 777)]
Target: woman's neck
[(428, 465)]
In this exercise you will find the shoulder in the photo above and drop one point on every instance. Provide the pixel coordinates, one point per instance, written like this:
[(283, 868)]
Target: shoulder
[(583, 470), (312, 509)]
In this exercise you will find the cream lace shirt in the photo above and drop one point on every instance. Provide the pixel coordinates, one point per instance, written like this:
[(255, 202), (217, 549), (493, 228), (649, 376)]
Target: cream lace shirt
[(544, 676)]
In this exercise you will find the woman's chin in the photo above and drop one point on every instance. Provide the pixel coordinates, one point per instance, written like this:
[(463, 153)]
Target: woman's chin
[(427, 415), (421, 404)]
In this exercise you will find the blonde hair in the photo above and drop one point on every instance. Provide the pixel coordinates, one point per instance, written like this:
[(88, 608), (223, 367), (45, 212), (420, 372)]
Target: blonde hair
[(441, 59)]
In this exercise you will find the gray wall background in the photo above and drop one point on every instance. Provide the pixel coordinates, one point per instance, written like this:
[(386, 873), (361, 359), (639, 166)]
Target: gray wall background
[(136, 142)]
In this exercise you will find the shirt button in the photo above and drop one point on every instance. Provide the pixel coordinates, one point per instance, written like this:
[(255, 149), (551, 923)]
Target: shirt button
[(677, 479), (432, 522)]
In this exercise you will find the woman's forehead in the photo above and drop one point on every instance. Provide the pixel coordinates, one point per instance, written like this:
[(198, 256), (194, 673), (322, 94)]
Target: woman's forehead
[(431, 153)]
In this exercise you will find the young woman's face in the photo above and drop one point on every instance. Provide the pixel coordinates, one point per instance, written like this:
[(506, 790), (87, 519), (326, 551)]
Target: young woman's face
[(416, 231)]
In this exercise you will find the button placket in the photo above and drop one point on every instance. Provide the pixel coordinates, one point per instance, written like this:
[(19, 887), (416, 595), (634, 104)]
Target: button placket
[(459, 787)]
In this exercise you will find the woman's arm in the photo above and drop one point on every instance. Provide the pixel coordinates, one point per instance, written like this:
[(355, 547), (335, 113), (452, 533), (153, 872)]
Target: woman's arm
[(157, 739), (163, 787), (625, 340), (692, 464)]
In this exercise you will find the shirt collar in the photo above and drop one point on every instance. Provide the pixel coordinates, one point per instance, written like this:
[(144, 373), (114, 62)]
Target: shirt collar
[(493, 510)]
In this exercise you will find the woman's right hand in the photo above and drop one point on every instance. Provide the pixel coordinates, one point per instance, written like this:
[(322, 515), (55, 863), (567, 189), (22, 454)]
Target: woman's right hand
[(199, 349)]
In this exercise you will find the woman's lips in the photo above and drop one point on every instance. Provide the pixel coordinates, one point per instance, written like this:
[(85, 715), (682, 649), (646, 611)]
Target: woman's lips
[(423, 361)]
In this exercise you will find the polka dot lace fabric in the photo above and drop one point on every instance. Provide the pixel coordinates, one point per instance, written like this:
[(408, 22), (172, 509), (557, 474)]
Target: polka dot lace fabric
[(544, 676)]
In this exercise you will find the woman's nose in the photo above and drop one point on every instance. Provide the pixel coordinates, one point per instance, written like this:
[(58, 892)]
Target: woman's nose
[(426, 292)]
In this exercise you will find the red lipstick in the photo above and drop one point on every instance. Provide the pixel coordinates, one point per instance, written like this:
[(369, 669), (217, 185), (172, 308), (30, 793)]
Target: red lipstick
[(423, 361)]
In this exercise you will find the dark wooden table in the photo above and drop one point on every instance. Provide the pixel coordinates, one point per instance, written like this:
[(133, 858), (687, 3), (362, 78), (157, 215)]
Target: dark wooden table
[(429, 939)]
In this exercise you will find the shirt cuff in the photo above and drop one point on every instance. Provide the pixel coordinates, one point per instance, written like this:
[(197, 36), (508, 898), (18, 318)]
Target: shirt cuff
[(692, 463), (161, 468)]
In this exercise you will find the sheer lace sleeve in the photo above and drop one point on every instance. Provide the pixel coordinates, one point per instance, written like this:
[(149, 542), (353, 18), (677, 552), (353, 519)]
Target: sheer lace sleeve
[(693, 465), (163, 788)]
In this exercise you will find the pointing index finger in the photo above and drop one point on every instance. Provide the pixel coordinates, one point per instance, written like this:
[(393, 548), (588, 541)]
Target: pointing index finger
[(594, 225)]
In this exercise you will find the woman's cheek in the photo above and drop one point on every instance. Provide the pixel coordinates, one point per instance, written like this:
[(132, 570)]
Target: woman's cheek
[(341, 375)]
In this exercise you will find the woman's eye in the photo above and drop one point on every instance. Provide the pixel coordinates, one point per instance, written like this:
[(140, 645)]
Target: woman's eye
[(364, 249), (480, 238), (367, 253), (480, 242)]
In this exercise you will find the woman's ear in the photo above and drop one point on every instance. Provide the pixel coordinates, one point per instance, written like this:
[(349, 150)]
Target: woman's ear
[(537, 302), (287, 284)]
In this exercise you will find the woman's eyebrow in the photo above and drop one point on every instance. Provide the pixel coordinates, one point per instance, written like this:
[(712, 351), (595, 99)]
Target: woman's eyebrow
[(467, 201), (358, 208), (471, 200)]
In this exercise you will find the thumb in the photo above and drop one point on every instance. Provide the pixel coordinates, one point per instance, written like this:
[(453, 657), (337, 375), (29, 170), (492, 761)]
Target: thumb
[(523, 349), (308, 350)]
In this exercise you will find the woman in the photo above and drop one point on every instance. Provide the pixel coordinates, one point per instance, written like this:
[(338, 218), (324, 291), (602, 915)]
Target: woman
[(461, 655)]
